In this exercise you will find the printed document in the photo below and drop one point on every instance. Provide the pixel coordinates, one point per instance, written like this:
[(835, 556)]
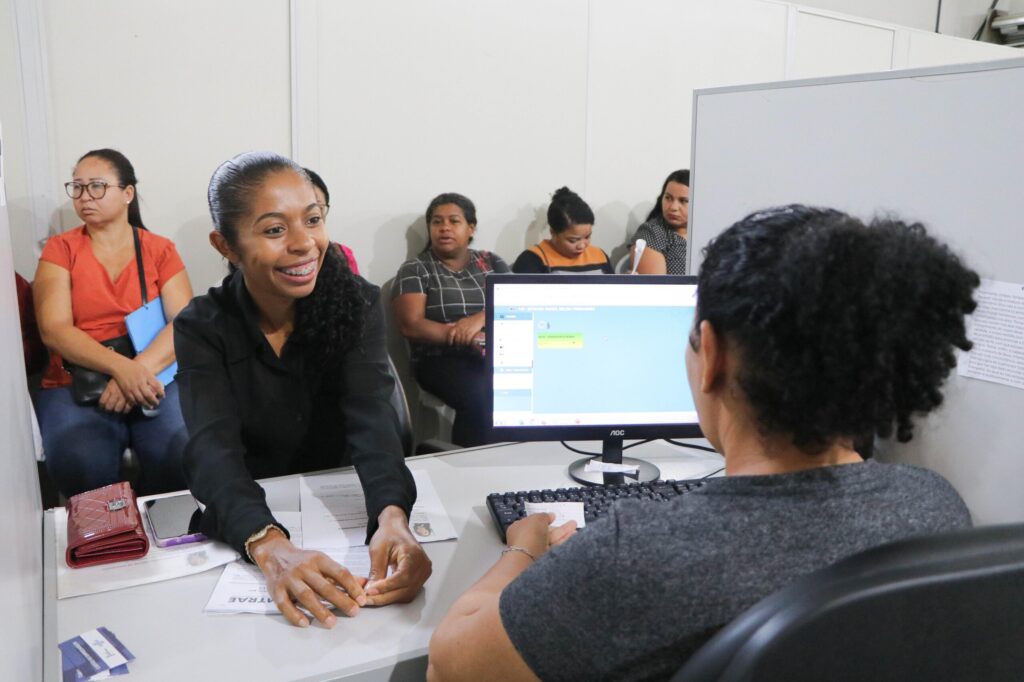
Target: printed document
[(997, 330), (334, 512), (243, 589)]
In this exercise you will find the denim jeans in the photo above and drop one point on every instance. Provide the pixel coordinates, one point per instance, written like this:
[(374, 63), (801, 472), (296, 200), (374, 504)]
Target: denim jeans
[(84, 445)]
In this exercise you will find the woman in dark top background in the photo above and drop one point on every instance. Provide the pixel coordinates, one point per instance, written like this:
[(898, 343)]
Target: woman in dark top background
[(569, 248), (282, 369), (666, 229)]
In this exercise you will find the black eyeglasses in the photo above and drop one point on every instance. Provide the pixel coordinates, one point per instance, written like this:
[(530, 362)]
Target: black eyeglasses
[(97, 189)]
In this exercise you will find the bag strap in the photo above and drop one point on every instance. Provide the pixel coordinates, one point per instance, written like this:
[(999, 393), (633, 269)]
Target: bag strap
[(138, 263)]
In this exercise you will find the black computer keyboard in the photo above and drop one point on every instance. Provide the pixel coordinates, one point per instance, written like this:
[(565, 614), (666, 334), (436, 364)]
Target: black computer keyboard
[(507, 508)]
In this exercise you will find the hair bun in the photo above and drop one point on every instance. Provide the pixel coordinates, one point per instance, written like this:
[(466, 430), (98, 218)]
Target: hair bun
[(562, 193)]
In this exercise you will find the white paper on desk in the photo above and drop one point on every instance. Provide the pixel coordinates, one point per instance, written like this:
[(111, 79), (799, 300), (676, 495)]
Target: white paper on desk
[(563, 511), (160, 563), (243, 589), (609, 468), (334, 512)]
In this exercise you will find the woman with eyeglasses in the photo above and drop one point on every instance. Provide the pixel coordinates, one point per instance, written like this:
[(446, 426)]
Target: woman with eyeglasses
[(87, 281), (666, 229)]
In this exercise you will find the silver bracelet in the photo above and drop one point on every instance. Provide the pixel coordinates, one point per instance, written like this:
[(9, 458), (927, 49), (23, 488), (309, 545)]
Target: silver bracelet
[(513, 548)]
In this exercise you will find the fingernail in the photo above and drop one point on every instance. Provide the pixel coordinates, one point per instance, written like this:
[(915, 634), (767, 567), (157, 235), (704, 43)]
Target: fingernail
[(353, 612), (303, 623), (361, 600), (331, 620)]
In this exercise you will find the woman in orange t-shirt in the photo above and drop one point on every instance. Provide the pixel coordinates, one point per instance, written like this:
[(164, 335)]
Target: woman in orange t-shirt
[(86, 282)]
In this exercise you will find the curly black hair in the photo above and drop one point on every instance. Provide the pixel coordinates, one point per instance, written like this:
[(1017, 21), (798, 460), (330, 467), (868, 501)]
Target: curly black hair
[(844, 329), (329, 321)]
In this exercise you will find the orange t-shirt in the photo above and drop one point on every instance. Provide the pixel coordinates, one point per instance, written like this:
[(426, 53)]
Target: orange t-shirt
[(98, 305)]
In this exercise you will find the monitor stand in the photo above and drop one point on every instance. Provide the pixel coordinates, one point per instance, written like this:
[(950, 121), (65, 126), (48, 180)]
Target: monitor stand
[(611, 453)]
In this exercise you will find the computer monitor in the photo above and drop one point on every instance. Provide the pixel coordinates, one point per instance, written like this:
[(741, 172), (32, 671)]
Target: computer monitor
[(591, 357)]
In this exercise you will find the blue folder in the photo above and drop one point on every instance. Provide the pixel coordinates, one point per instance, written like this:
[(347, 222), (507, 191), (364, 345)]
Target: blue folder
[(143, 326)]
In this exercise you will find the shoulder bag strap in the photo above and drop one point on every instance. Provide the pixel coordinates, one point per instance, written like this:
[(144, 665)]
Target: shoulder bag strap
[(138, 263)]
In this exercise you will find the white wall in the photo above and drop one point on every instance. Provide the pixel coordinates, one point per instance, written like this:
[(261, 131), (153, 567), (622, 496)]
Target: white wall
[(959, 18), (12, 114), (181, 87), (504, 102)]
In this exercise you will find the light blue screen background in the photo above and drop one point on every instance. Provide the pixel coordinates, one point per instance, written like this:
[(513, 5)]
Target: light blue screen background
[(632, 360)]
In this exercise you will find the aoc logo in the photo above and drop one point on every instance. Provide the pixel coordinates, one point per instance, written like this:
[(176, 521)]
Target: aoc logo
[(618, 432)]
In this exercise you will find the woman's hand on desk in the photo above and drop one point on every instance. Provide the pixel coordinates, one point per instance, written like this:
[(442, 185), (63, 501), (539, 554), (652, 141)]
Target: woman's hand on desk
[(304, 576), (393, 545)]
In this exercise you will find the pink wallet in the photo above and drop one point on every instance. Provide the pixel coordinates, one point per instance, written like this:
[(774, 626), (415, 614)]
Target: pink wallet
[(104, 525)]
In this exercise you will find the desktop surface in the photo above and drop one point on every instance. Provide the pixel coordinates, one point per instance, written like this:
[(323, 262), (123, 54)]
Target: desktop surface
[(163, 624)]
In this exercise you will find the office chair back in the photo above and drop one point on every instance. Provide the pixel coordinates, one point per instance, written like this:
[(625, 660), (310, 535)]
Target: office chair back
[(401, 405), (942, 607), (431, 418)]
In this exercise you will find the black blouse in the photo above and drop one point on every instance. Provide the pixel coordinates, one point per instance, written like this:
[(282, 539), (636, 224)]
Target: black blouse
[(251, 414)]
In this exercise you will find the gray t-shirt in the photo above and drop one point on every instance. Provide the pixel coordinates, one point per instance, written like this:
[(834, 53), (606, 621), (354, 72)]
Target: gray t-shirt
[(634, 594)]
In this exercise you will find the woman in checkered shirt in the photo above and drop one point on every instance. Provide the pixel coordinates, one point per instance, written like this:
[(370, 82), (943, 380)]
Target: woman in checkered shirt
[(439, 308)]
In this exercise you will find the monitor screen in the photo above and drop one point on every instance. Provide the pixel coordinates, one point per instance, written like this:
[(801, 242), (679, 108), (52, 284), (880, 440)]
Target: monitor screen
[(589, 357)]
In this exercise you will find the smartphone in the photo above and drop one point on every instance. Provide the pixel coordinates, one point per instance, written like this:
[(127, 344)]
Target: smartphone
[(174, 520)]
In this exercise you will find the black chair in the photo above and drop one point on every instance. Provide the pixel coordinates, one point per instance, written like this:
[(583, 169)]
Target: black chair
[(941, 607), (408, 436)]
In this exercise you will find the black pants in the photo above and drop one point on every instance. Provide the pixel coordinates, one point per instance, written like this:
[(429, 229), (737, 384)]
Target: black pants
[(460, 381)]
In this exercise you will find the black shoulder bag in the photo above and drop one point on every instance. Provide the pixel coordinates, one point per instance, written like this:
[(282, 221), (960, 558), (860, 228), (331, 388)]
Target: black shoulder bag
[(87, 385)]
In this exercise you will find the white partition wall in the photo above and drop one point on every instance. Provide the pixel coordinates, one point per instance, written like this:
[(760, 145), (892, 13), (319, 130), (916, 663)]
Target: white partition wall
[(935, 145), (21, 572)]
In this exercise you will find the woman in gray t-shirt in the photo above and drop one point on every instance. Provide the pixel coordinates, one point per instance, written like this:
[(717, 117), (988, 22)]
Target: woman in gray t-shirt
[(812, 329)]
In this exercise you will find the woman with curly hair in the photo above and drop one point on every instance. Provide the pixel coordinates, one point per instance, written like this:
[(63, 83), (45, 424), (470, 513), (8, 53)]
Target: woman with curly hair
[(811, 329), (282, 370)]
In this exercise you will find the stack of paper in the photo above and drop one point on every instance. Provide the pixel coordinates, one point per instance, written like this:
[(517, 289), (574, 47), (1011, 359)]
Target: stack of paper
[(333, 520)]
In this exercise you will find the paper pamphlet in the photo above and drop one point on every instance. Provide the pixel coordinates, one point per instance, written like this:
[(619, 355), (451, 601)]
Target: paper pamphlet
[(334, 512), (997, 330), (93, 655), (563, 511), (143, 326)]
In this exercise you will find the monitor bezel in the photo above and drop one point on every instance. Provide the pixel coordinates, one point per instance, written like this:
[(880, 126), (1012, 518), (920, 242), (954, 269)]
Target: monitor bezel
[(575, 432)]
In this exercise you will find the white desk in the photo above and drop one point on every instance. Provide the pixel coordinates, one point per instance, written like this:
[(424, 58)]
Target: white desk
[(163, 623)]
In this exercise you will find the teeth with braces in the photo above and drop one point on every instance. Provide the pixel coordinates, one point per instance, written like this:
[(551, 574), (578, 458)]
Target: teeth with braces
[(300, 272)]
